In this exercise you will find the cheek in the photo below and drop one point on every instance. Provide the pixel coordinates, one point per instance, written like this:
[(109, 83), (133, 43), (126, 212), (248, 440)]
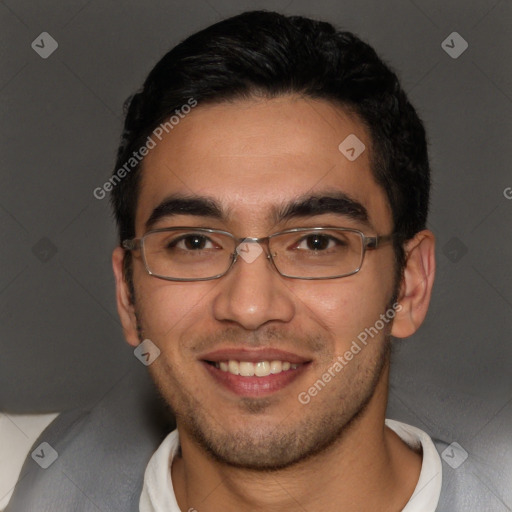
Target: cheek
[(333, 307), (344, 308), (168, 308)]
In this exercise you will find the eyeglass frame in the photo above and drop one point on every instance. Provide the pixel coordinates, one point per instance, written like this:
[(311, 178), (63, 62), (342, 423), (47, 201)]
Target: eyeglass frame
[(368, 243)]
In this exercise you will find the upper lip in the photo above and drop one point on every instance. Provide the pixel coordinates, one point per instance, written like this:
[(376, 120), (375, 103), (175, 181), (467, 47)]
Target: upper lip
[(253, 355)]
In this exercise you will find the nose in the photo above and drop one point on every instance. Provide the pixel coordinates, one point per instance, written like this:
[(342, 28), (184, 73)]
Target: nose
[(253, 293)]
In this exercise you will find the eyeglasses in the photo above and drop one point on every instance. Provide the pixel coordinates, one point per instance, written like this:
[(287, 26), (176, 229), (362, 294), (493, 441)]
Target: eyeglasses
[(201, 254)]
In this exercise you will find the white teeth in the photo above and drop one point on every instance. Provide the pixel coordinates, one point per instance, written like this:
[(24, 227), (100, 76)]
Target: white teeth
[(233, 367), (276, 367), (262, 369), (259, 369), (246, 369)]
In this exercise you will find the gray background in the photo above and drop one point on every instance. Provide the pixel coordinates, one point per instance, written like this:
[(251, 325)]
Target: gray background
[(61, 342)]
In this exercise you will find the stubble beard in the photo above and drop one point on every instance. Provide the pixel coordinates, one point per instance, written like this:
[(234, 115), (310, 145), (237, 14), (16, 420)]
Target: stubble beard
[(282, 446), (263, 448)]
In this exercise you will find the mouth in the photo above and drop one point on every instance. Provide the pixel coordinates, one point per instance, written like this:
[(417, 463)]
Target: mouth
[(254, 373)]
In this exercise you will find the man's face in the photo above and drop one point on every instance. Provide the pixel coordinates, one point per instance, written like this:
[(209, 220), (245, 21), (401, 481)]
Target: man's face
[(253, 158)]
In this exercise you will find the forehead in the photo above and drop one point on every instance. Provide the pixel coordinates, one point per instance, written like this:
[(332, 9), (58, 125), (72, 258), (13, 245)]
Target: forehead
[(251, 155)]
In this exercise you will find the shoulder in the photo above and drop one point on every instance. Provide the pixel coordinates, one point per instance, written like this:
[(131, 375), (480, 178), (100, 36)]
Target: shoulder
[(102, 453), (476, 472)]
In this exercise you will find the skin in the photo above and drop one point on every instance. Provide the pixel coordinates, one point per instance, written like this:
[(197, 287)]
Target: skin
[(251, 155)]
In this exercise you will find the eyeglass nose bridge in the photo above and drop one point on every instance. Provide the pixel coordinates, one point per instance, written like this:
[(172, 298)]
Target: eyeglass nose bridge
[(249, 255)]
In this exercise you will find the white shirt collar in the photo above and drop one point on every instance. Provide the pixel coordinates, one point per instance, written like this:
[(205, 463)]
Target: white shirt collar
[(428, 489), (158, 492)]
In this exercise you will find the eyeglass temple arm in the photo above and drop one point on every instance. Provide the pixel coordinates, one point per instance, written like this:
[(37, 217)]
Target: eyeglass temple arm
[(131, 245), (372, 242)]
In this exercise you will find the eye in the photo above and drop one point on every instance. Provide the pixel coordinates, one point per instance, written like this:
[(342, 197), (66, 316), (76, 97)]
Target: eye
[(317, 242), (191, 242)]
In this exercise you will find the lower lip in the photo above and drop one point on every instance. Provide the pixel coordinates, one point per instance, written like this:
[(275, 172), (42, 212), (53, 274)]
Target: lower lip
[(254, 386)]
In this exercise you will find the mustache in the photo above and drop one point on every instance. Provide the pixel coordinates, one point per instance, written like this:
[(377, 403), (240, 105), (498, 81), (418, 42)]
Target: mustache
[(269, 337)]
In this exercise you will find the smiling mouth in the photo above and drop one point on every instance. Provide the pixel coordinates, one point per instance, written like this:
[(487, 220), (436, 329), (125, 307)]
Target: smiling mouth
[(254, 369), (254, 378)]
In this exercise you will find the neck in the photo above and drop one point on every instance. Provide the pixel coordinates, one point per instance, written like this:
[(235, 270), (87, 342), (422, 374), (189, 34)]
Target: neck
[(369, 468)]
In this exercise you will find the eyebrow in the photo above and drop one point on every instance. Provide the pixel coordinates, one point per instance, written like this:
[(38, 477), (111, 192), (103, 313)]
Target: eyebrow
[(329, 202)]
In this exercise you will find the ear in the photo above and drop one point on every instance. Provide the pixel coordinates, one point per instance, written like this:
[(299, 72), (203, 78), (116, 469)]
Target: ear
[(417, 283), (125, 308)]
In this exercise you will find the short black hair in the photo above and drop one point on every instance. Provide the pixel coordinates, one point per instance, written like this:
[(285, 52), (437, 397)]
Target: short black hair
[(267, 54)]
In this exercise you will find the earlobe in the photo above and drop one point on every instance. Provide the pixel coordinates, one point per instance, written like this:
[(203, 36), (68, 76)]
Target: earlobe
[(125, 307), (417, 283)]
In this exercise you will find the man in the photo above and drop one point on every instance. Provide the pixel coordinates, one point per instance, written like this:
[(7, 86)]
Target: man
[(271, 192)]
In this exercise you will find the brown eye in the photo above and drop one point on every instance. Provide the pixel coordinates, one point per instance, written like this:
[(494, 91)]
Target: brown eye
[(317, 242), (191, 242)]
